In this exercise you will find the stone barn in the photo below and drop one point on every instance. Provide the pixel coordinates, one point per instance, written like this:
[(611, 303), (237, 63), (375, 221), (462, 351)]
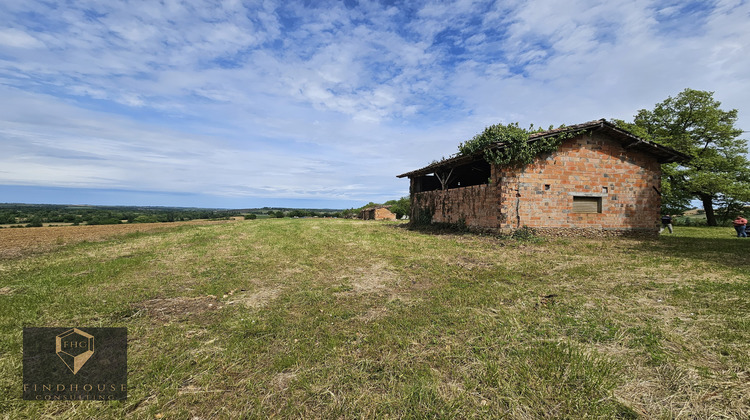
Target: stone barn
[(601, 181), (377, 213)]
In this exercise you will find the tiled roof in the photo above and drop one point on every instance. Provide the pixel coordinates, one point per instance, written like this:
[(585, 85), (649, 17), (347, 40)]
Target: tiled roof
[(663, 154)]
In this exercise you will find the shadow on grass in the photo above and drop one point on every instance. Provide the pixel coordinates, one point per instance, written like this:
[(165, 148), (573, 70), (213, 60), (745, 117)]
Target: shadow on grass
[(452, 229), (437, 228), (727, 252), (697, 244)]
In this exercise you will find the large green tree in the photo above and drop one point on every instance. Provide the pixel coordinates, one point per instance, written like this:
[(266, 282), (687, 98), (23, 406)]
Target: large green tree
[(718, 172), (400, 207)]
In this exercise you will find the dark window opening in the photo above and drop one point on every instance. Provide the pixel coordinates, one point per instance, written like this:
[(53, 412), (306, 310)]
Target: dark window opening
[(426, 183), (475, 173), (546, 187)]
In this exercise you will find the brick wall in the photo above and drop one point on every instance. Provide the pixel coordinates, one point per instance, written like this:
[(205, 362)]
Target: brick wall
[(590, 165), (384, 214), (380, 213), (541, 194), (475, 205)]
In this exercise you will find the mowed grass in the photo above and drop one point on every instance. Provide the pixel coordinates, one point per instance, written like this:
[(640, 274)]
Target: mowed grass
[(324, 318)]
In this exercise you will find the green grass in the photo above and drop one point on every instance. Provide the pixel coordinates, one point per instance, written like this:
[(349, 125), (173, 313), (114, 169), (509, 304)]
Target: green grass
[(328, 318)]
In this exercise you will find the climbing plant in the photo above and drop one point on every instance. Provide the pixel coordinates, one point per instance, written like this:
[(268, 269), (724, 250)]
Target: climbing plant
[(514, 141)]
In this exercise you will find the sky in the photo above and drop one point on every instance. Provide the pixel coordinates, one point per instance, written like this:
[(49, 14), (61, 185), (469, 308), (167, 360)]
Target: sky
[(320, 104)]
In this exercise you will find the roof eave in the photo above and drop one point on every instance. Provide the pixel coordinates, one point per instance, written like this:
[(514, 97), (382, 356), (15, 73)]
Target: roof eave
[(663, 154), (454, 161)]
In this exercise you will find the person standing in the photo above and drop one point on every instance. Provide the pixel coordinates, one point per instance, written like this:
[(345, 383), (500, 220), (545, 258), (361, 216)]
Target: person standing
[(666, 222), (739, 225)]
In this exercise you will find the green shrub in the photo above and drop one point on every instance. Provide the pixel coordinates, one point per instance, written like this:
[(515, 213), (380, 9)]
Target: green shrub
[(524, 234)]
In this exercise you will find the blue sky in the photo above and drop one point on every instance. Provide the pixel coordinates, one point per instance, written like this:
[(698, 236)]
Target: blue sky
[(320, 104)]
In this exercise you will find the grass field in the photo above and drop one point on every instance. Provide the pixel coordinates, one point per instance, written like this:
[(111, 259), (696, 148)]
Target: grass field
[(336, 318)]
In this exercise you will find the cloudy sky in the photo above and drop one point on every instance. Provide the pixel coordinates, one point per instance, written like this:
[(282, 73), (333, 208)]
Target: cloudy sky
[(321, 103)]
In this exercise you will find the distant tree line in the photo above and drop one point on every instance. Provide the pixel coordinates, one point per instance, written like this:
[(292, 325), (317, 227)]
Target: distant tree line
[(268, 212), (38, 215), (400, 207)]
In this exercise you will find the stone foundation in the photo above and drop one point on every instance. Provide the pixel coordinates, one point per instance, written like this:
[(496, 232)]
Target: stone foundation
[(594, 232)]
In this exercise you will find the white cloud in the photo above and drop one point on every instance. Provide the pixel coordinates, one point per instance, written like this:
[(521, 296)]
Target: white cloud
[(18, 39), (286, 99)]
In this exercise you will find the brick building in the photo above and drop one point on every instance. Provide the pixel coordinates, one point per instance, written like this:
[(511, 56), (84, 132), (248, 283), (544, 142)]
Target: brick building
[(377, 213), (602, 181)]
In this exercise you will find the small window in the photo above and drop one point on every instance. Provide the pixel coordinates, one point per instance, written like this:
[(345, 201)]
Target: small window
[(546, 187), (605, 190), (587, 204)]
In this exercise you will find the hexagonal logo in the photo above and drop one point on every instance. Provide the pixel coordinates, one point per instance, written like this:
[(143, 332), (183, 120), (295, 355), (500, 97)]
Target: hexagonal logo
[(61, 363), (74, 347)]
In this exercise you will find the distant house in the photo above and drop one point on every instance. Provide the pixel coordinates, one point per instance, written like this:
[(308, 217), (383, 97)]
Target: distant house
[(604, 180), (377, 213)]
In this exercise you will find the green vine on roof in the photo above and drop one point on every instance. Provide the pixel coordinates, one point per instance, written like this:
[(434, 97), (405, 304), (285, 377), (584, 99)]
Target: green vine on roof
[(515, 148)]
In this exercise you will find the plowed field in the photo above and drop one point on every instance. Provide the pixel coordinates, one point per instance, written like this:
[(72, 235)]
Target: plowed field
[(23, 241)]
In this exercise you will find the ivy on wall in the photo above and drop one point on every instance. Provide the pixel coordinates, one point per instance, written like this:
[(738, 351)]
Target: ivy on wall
[(509, 144)]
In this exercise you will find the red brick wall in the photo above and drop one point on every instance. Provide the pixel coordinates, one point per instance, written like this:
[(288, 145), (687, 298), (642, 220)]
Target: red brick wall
[(384, 214), (584, 165), (381, 213), (476, 205), (593, 165)]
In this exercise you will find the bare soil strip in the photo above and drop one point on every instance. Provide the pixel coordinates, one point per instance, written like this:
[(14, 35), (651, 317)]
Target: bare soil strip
[(24, 241)]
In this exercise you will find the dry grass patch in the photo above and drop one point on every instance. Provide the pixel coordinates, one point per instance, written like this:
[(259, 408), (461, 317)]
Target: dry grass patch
[(470, 263), (379, 311), (179, 308), (256, 299), (372, 279), (281, 380), (670, 391)]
